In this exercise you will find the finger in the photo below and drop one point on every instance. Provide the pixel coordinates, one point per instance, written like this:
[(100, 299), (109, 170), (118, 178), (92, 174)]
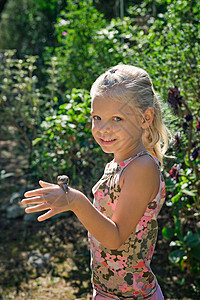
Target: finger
[(38, 192), (33, 200), (47, 215), (37, 208), (45, 184)]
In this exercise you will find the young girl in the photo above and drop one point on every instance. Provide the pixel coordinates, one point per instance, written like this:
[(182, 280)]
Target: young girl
[(122, 221)]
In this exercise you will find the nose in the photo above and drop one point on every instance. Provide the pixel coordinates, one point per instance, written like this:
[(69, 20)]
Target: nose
[(104, 127)]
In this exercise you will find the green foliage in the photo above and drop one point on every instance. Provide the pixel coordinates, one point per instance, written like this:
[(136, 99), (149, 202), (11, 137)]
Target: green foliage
[(188, 247), (20, 100), (24, 103), (87, 44), (28, 25), (165, 44)]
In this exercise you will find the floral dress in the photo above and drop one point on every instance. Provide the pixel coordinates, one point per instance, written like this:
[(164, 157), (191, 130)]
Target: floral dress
[(125, 273)]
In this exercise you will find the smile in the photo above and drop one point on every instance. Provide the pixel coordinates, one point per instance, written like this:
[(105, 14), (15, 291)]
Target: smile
[(107, 141)]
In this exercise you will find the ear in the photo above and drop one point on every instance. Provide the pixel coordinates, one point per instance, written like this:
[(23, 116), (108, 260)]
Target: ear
[(147, 117)]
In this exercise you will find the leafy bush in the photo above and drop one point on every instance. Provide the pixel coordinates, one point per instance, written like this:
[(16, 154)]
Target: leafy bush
[(28, 25), (184, 186), (21, 101), (88, 44), (25, 103)]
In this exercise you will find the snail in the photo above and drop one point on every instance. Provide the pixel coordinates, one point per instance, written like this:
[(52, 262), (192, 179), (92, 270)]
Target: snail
[(63, 181)]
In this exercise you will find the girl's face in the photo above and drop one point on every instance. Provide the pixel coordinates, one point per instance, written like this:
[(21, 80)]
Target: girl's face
[(116, 127)]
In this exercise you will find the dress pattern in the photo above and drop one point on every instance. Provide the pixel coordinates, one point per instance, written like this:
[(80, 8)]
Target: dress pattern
[(125, 273)]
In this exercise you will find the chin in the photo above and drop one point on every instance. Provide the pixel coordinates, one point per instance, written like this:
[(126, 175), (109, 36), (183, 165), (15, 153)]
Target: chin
[(106, 150)]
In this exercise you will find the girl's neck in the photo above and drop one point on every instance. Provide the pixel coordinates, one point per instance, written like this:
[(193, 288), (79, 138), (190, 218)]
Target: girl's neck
[(118, 158)]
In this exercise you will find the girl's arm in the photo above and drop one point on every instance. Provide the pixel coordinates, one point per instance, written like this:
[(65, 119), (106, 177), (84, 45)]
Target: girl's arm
[(140, 183)]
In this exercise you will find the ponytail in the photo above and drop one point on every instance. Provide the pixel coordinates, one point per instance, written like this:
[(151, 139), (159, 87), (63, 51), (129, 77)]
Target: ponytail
[(155, 137)]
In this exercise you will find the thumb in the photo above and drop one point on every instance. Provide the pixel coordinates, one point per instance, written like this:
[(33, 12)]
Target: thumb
[(45, 184)]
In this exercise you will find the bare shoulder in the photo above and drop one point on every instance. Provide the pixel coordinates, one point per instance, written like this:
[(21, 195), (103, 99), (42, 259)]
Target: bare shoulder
[(144, 172), (143, 164)]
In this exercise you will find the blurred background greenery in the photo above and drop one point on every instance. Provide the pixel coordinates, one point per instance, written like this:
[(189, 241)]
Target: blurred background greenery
[(50, 54)]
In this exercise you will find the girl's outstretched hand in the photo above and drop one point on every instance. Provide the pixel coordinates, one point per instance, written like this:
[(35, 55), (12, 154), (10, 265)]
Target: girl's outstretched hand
[(50, 197)]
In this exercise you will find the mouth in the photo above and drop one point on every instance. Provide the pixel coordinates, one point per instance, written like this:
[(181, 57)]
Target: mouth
[(107, 141)]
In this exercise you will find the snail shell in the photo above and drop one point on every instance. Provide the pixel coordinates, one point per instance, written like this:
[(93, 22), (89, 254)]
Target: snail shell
[(62, 179)]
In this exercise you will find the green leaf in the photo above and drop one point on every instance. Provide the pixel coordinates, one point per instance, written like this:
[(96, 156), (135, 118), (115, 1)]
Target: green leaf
[(178, 229), (168, 232), (195, 252), (191, 239), (175, 243), (187, 161), (176, 197), (71, 125), (189, 193), (36, 141), (176, 255)]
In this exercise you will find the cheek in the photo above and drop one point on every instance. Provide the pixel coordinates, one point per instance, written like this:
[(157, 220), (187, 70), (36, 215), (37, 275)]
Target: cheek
[(130, 132), (94, 129)]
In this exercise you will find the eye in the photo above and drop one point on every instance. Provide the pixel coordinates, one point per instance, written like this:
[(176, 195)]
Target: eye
[(117, 119), (96, 118)]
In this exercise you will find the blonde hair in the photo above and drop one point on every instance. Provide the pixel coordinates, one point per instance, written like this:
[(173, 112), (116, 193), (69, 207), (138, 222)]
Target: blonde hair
[(132, 85)]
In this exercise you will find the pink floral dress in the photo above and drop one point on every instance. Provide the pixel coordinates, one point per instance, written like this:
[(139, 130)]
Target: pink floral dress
[(125, 273)]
